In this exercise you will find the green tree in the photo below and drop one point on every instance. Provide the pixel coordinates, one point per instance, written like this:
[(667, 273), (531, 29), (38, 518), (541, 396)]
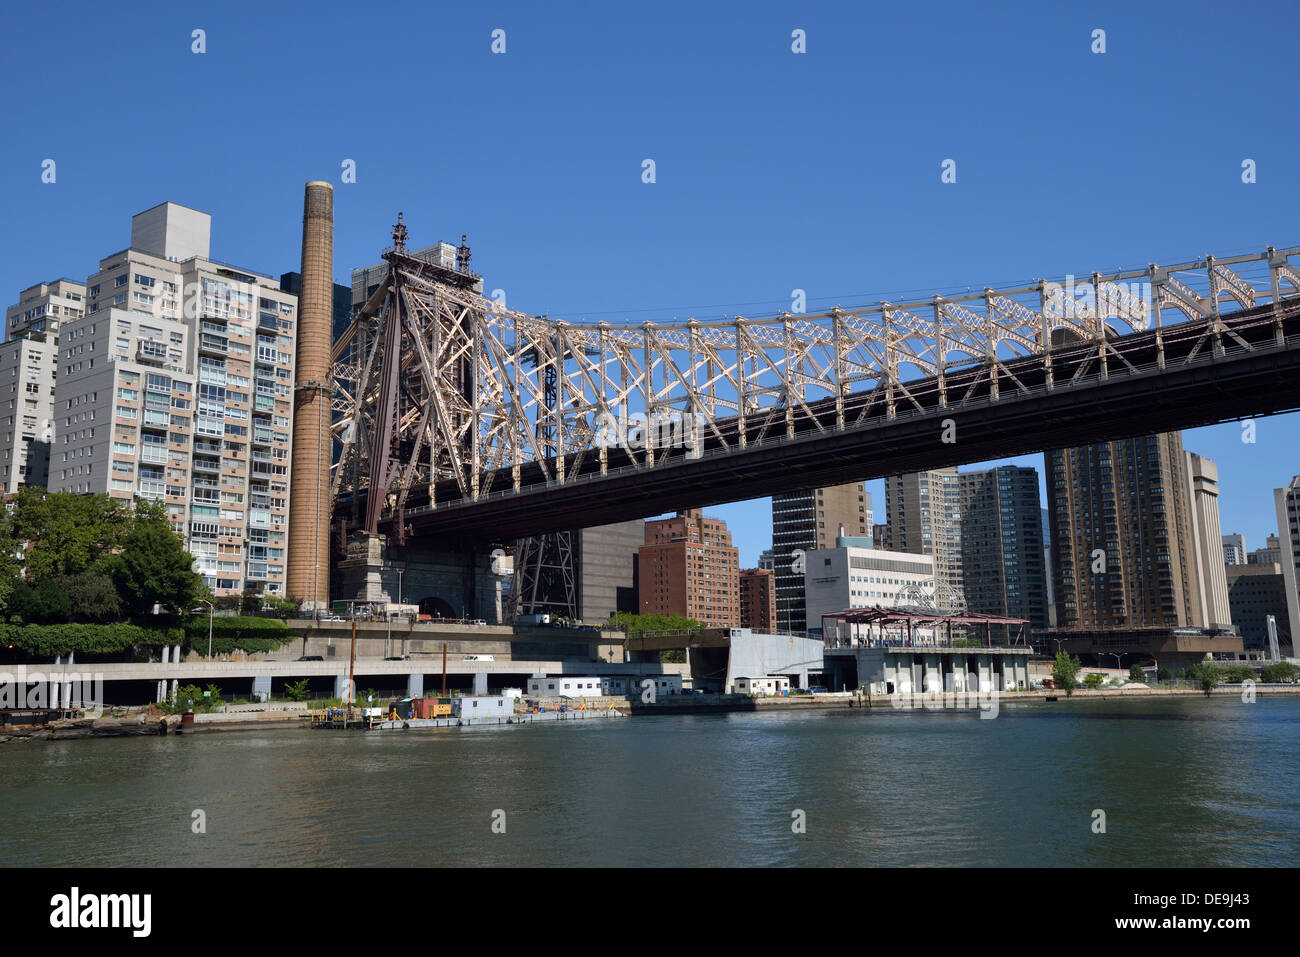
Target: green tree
[(1093, 680), (635, 624), (92, 596), (1065, 670), (10, 561), (1136, 673), (67, 534), (297, 690), (191, 698), (1283, 671), (1205, 674), (45, 603), (281, 607), (154, 567)]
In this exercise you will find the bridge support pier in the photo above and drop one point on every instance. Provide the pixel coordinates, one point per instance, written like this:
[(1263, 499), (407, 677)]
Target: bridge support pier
[(261, 688), (342, 688), (480, 683), (415, 686), (452, 580)]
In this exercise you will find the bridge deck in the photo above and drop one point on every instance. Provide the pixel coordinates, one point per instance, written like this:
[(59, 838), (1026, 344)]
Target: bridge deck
[(1198, 386)]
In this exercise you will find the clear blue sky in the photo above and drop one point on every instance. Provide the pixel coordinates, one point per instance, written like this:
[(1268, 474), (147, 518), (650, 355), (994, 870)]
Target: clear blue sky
[(775, 171)]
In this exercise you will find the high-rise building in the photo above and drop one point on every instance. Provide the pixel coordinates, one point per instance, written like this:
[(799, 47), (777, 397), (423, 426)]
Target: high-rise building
[(1271, 553), (607, 569), (924, 514), (1047, 568), (29, 360), (688, 566), (1002, 551), (177, 386), (801, 522), (1122, 544), (1207, 542), (1287, 502), (766, 559), (1234, 549), (341, 303), (758, 600), (1255, 592), (880, 538)]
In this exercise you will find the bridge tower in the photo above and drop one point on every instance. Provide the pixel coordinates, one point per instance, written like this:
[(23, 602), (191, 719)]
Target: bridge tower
[(407, 392)]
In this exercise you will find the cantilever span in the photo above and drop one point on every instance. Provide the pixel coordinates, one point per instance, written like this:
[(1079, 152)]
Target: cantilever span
[(455, 414)]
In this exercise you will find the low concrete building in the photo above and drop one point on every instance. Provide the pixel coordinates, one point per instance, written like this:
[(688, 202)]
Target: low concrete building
[(766, 685), (915, 650), (564, 686), (759, 656), (884, 670), (635, 685)]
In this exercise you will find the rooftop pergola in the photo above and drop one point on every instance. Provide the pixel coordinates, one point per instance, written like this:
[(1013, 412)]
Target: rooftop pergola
[(906, 621)]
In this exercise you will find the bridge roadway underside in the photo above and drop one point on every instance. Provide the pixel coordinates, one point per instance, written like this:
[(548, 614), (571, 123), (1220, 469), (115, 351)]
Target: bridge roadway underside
[(1241, 383)]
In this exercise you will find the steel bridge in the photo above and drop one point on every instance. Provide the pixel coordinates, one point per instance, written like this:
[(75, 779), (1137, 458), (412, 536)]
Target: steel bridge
[(457, 416)]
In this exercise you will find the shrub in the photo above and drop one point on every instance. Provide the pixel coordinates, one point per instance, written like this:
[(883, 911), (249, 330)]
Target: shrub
[(1206, 675), (1064, 672), (229, 634), (1283, 671), (50, 640), (1238, 673)]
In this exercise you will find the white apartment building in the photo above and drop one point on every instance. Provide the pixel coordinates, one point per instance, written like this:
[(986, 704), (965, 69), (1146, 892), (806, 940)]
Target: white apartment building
[(176, 385), (28, 371), (837, 579)]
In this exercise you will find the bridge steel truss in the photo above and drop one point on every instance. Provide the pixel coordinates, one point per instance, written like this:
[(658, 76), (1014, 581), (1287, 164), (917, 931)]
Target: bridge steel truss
[(437, 387)]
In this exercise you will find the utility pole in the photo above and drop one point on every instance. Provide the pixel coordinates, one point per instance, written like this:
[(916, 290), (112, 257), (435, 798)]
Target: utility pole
[(352, 667)]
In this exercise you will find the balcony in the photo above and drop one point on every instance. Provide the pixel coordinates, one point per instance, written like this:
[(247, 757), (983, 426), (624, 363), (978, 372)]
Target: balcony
[(153, 353), (213, 345), (206, 465), (152, 490)]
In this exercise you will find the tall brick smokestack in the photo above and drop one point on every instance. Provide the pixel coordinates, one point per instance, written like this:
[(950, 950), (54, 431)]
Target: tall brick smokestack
[(309, 507)]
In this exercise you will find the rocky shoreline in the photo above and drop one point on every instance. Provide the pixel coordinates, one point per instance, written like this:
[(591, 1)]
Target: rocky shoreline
[(71, 728)]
